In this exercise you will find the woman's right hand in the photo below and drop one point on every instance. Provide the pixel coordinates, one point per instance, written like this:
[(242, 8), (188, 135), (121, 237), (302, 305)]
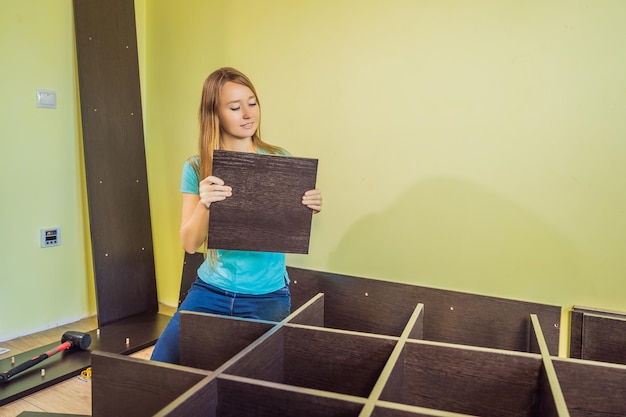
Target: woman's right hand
[(212, 189)]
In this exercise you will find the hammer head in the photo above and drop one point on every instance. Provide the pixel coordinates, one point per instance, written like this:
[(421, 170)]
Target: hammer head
[(77, 339)]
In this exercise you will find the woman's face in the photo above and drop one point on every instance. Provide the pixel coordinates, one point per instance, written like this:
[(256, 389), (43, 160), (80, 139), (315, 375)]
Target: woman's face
[(238, 112)]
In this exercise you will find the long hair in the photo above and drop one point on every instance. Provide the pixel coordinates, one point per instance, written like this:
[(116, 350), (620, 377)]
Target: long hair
[(210, 137)]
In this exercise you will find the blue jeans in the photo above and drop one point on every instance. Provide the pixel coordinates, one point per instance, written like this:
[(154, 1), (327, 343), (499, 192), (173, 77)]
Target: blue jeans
[(205, 298)]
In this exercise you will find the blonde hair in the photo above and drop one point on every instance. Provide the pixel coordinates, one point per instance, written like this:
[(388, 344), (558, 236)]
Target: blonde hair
[(210, 137)]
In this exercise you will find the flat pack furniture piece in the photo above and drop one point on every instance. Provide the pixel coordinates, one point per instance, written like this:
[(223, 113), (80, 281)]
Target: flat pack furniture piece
[(122, 337), (598, 335), (191, 263), (362, 347), (265, 212), (115, 162), (42, 414)]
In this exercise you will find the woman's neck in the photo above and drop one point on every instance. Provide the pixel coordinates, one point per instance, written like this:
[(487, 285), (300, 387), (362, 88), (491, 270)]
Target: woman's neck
[(238, 145)]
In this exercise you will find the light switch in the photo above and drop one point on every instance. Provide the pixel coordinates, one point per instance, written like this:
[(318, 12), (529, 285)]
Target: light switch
[(47, 99)]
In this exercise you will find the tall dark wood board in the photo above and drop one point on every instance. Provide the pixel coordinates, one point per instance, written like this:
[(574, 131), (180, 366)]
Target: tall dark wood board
[(115, 163)]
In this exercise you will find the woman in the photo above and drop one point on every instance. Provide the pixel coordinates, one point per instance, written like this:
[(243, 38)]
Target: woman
[(235, 283)]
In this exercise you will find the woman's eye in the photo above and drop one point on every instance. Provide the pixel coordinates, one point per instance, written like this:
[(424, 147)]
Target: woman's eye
[(235, 108), (252, 104)]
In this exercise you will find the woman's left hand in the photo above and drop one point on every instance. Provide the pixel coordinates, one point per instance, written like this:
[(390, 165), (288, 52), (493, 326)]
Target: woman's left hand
[(313, 200)]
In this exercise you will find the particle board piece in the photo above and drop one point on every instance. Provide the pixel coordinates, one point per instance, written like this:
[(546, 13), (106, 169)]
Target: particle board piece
[(191, 263), (209, 350), (146, 387), (383, 307), (592, 389), (303, 366), (141, 330), (115, 162), (598, 335), (45, 414), (265, 212)]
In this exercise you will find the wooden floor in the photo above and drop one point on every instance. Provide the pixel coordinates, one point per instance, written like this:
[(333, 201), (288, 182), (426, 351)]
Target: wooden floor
[(70, 397)]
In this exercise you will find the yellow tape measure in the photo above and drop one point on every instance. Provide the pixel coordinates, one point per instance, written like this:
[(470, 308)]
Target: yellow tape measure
[(85, 374)]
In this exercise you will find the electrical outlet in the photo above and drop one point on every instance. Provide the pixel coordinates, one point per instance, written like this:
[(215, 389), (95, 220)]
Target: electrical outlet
[(50, 237), (47, 99)]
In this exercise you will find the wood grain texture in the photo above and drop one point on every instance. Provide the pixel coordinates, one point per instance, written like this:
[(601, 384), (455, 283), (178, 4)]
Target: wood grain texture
[(300, 367), (382, 307), (384, 409), (592, 389), (125, 386), (240, 398), (311, 313), (46, 414), (604, 338), (201, 399), (473, 381), (265, 212), (264, 359), (345, 363), (323, 360), (191, 263), (141, 330), (207, 341), (598, 335), (546, 405), (115, 165)]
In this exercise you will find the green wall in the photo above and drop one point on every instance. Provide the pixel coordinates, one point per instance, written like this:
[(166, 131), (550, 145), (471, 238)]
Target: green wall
[(40, 174), (474, 146), (42, 171)]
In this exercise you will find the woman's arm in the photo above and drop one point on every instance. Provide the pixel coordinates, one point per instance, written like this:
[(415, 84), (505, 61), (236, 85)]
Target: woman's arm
[(195, 212), (195, 223)]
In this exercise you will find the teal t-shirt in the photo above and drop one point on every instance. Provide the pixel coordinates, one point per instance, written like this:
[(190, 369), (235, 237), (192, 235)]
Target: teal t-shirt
[(238, 271)]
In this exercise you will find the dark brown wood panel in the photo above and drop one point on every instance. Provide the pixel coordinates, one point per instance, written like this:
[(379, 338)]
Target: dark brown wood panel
[(265, 212), (400, 410), (207, 341), (383, 307), (318, 359), (57, 368), (311, 313), (259, 399), (140, 330), (324, 359), (125, 386), (551, 400), (592, 389), (306, 369), (40, 414), (361, 305), (604, 338), (302, 290), (474, 381), (115, 163), (546, 405), (598, 335), (199, 400), (265, 360), (576, 334), (191, 263)]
